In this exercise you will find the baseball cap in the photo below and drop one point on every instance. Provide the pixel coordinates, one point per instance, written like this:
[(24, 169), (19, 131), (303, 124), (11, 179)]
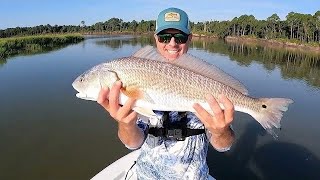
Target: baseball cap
[(173, 18)]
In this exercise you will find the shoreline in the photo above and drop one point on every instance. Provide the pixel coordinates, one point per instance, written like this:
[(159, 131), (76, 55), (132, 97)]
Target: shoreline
[(272, 42)]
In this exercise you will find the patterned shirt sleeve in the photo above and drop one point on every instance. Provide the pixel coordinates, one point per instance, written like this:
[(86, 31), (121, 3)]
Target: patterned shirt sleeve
[(144, 127)]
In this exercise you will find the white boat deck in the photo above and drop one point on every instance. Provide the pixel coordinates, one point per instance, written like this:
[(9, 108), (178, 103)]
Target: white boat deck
[(121, 168)]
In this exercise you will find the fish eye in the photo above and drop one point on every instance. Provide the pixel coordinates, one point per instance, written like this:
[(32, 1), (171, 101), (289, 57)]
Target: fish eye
[(264, 106)]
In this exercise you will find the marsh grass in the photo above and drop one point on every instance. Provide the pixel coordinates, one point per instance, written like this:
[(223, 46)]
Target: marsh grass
[(34, 44)]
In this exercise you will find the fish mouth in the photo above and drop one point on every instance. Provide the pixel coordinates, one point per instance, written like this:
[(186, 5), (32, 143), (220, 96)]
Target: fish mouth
[(85, 97)]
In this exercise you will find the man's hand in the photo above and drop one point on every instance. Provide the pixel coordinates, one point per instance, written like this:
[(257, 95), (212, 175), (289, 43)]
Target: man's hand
[(219, 123), (109, 99), (128, 131)]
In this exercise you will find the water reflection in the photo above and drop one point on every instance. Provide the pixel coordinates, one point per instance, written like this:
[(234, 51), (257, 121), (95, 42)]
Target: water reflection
[(40, 50), (275, 160), (294, 64), (116, 43)]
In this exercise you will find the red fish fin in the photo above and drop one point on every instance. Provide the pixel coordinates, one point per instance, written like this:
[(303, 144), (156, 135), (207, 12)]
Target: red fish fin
[(132, 92)]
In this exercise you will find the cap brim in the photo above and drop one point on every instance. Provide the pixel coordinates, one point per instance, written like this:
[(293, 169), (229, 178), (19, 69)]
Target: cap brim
[(185, 30)]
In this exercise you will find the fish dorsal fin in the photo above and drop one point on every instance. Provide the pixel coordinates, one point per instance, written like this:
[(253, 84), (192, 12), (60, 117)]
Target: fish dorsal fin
[(204, 68), (149, 52), (196, 65)]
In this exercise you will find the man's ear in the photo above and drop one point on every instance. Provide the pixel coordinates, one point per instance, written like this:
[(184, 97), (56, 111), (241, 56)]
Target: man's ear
[(190, 37)]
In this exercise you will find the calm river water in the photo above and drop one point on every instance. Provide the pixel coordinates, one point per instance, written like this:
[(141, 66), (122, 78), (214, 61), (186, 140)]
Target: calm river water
[(48, 133)]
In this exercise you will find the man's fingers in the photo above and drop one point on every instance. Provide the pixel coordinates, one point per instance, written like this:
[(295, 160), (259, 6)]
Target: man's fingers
[(132, 116), (114, 97), (215, 107), (126, 108), (202, 114), (103, 98), (228, 108)]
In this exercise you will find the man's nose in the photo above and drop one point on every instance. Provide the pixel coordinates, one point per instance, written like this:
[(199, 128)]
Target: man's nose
[(172, 41)]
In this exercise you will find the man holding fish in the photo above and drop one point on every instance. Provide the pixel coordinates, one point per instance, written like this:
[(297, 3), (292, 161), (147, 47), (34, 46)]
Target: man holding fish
[(172, 38), (171, 104)]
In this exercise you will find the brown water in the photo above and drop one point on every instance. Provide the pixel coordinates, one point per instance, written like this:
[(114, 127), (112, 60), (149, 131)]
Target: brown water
[(48, 133)]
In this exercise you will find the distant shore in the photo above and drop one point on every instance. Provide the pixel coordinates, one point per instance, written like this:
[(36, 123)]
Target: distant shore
[(271, 42)]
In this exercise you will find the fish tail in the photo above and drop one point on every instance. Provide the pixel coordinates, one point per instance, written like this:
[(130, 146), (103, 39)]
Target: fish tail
[(271, 112)]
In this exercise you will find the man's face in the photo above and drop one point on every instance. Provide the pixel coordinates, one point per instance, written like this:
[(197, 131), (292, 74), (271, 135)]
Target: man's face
[(172, 50)]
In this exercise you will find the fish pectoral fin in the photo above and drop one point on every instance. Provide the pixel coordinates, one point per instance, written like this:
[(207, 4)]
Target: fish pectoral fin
[(132, 92), (135, 93), (145, 112)]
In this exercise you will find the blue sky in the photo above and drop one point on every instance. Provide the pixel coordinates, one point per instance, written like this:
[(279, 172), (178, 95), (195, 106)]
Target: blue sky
[(24, 13)]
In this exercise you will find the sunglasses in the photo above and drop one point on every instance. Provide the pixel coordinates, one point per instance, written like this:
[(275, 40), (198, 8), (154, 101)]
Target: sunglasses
[(179, 38)]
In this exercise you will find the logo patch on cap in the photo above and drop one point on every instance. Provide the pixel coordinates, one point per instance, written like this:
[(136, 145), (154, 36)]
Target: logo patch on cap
[(172, 16)]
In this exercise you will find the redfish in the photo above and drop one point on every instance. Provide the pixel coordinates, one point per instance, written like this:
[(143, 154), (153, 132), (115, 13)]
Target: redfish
[(158, 84)]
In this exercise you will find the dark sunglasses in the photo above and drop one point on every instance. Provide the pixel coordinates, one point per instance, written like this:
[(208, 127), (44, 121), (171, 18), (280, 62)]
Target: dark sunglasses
[(179, 38)]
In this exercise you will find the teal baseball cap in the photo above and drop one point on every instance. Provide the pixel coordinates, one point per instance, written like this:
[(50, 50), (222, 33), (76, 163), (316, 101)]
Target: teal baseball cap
[(173, 18)]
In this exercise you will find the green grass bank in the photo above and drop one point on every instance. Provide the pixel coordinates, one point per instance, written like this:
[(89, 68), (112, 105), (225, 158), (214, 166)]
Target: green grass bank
[(33, 44)]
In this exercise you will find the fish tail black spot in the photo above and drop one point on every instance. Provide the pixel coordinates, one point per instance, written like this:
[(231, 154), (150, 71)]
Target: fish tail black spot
[(264, 106)]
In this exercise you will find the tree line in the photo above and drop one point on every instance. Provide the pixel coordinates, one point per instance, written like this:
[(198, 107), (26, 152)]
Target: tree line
[(296, 27)]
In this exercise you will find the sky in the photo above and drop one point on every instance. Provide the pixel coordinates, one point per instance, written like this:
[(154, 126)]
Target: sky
[(29, 13)]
